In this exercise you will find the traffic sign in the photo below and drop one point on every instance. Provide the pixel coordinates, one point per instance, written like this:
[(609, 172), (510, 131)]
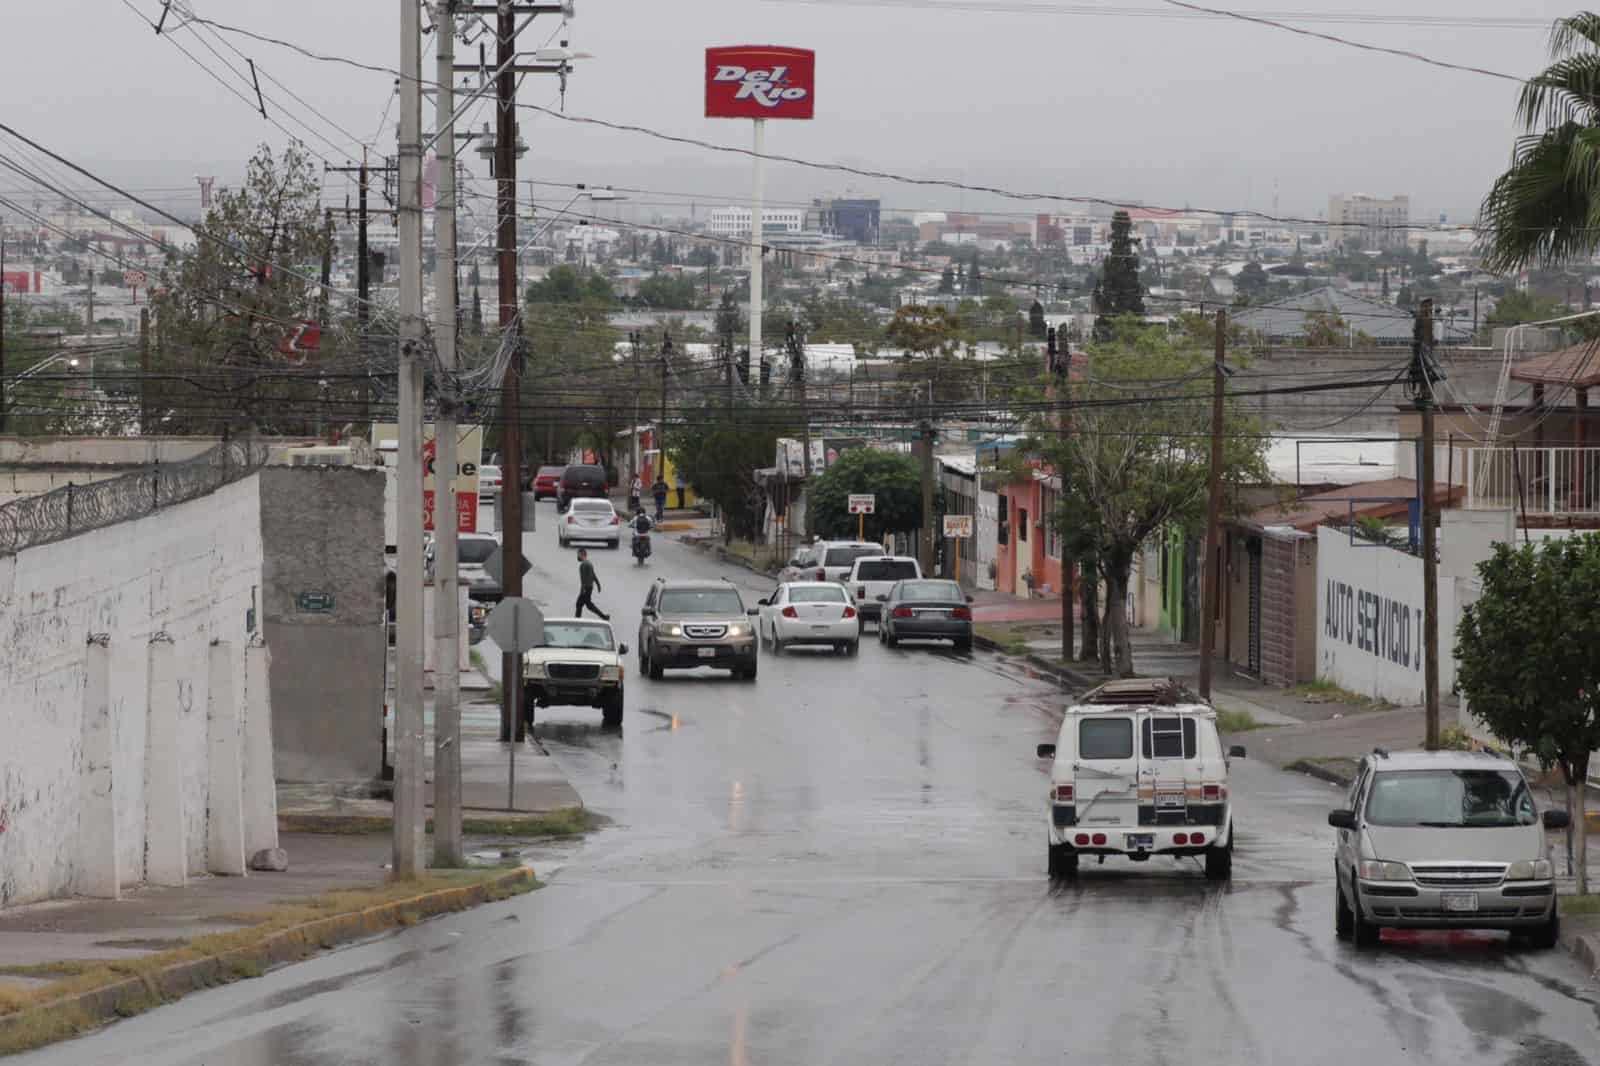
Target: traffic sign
[(958, 525), (496, 560), (516, 625), (134, 279), (863, 503)]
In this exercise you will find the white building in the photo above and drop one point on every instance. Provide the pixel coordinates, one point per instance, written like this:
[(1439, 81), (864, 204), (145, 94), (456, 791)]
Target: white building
[(735, 221), (1380, 223)]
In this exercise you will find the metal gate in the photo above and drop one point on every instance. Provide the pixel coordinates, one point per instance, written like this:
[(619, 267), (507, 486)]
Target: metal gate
[(1253, 548)]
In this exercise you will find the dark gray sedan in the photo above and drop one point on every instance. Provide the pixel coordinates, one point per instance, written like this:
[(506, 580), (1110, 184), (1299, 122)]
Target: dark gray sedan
[(926, 609)]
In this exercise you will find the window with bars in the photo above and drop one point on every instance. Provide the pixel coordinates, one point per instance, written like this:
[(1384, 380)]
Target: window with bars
[(1049, 500)]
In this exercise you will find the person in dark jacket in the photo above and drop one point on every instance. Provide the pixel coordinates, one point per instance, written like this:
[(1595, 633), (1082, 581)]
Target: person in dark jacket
[(588, 584), (659, 491)]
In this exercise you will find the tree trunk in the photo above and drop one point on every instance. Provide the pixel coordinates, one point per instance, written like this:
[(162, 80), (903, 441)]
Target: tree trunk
[(1117, 622), (1105, 636), (1089, 591), (1069, 596)]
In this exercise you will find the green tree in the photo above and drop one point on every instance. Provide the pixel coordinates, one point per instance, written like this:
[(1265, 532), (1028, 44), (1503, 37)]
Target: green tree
[(1252, 281), (1527, 664), (1541, 210), (947, 282), (1521, 305), (1118, 292), (929, 338), (1131, 468), (668, 291), (719, 458), (893, 477), (565, 285), (1037, 326)]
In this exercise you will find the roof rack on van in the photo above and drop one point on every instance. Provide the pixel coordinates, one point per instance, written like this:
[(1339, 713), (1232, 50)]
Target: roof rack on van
[(1158, 691)]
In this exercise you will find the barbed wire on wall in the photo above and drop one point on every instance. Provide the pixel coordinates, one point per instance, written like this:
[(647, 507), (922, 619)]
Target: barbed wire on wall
[(74, 509)]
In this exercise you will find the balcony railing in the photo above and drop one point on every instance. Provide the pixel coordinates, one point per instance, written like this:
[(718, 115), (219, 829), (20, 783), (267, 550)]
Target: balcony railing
[(1546, 481)]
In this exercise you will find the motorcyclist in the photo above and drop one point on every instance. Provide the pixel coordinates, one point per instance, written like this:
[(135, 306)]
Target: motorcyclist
[(641, 525)]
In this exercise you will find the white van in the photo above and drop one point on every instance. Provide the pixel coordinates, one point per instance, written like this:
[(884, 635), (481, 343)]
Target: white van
[(1138, 770)]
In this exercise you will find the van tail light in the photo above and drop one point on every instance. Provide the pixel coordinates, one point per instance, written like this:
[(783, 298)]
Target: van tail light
[(1212, 793), (822, 575), (1099, 840), (790, 612), (1063, 793), (1180, 839), (961, 612), (861, 592), (1082, 840), (616, 520), (901, 612), (569, 520), (1197, 839), (849, 612)]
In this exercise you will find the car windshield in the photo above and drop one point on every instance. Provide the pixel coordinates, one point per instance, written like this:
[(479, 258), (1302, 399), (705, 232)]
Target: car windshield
[(474, 551), (817, 593), (488, 471), (583, 473), (1105, 738), (931, 590), (886, 570), (846, 556), (577, 635), (1450, 799), (701, 601)]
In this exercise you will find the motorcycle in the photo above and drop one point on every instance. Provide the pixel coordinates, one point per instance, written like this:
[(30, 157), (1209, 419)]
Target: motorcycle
[(641, 548)]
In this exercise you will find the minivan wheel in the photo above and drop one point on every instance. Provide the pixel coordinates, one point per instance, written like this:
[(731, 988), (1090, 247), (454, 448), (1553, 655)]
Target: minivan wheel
[(1343, 924), (1363, 932), (1063, 863), (1547, 935)]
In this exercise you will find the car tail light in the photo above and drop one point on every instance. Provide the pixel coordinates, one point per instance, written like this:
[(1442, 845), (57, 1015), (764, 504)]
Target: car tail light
[(569, 520), (849, 612), (1211, 792), (901, 612), (1099, 840), (961, 612), (1082, 840), (822, 575), (861, 592), (1063, 793), (616, 520), (1180, 839), (790, 612), (1197, 838)]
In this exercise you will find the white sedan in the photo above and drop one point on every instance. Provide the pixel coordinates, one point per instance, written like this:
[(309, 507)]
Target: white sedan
[(589, 519), (809, 612)]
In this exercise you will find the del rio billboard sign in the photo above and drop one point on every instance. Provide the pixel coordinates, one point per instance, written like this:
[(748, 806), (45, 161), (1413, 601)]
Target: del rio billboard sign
[(760, 81)]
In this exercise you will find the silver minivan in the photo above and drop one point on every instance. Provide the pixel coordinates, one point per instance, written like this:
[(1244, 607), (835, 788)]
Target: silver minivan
[(1443, 840)]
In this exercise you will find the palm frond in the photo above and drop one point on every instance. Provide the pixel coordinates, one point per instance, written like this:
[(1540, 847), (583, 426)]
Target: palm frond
[(1575, 35), (1541, 210), (1566, 91)]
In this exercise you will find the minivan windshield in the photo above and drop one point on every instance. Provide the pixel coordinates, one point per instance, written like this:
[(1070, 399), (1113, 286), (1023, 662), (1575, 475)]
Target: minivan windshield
[(886, 570), (700, 601), (846, 556), (1450, 799)]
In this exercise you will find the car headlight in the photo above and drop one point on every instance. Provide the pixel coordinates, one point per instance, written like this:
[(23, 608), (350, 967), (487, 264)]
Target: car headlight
[(1378, 870), (533, 670), (672, 631), (739, 629), (611, 673), (1537, 870)]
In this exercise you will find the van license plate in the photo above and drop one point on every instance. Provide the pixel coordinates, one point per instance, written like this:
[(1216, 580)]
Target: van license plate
[(1141, 841), (708, 653), (1459, 902)]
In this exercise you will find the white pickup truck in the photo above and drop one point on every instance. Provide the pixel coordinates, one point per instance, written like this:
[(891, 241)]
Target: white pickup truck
[(870, 579)]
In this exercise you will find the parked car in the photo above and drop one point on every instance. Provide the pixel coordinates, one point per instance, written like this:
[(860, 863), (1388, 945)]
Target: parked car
[(926, 610), (1135, 777), (835, 557), (802, 566), (593, 520), (1443, 839), (547, 482), (578, 664), (581, 480), (809, 612), (488, 482), (872, 576), (696, 623)]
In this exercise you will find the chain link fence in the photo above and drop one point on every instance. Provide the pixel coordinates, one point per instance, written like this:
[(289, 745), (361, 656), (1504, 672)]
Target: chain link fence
[(74, 509)]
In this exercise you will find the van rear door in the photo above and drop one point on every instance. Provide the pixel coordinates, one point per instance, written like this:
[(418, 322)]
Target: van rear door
[(1106, 770), (1167, 744)]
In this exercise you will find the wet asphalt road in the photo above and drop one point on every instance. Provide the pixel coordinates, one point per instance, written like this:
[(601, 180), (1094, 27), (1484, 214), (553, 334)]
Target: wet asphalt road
[(843, 863)]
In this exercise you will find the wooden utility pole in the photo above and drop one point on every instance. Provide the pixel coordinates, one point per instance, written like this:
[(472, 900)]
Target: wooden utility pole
[(3, 332), (327, 269), (1422, 375), (505, 164), (1210, 567), (926, 544), (661, 426), (144, 371)]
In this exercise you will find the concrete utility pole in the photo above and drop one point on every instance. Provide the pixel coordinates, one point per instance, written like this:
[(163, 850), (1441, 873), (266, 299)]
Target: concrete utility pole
[(3, 332), (661, 426), (633, 347), (1422, 376), (144, 373), (409, 858), (505, 172), (928, 434), (1210, 566), (447, 848), (363, 287)]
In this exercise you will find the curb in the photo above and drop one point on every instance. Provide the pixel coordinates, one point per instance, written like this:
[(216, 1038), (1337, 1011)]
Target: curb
[(65, 1017), (476, 822), (1317, 770), (1586, 949), (1061, 675), (722, 555)]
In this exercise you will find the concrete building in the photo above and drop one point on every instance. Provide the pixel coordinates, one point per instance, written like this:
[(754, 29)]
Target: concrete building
[(1376, 222), (734, 222)]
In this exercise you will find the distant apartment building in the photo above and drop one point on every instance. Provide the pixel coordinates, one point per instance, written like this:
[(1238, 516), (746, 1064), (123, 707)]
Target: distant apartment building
[(1377, 223), (734, 222), (854, 220)]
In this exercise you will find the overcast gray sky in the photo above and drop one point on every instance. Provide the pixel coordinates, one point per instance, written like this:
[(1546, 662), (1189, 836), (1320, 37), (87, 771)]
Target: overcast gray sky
[(1206, 112)]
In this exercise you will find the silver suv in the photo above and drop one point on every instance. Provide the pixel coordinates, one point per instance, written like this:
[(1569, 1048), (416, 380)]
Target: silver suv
[(1443, 840), (685, 624)]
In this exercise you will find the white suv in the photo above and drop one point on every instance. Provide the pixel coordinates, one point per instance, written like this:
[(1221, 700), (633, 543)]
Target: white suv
[(1138, 770), (872, 576)]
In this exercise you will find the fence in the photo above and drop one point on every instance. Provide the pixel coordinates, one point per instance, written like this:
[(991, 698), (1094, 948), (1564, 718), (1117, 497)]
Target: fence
[(1553, 481), (75, 509)]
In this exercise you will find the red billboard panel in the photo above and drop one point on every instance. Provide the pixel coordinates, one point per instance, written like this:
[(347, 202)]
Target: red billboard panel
[(16, 281), (760, 81)]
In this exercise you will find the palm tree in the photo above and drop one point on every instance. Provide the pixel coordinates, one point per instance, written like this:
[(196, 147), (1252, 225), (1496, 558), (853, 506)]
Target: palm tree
[(1546, 207)]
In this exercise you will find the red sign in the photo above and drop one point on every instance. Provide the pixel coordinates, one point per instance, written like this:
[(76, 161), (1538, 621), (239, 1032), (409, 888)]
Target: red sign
[(760, 81), (466, 511), (16, 281)]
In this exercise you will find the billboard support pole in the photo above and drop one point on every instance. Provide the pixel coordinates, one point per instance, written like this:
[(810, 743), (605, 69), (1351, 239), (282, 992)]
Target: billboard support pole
[(755, 239)]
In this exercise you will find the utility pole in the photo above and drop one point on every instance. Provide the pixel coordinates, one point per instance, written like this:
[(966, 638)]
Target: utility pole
[(327, 268), (447, 848), (505, 172), (1210, 566), (144, 371), (633, 432), (928, 434), (363, 288), (89, 323), (797, 375), (3, 330), (1421, 384), (661, 426), (409, 856), (1054, 364)]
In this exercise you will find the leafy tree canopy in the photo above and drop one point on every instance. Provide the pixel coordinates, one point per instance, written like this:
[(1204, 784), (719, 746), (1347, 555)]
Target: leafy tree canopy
[(893, 477)]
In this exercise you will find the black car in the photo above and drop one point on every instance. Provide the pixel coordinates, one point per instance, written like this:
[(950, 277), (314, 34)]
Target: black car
[(926, 609), (581, 479)]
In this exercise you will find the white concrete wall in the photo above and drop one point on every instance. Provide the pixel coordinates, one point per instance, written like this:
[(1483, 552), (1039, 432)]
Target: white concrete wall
[(190, 572)]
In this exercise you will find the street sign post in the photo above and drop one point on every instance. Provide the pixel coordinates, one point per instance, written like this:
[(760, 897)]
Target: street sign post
[(957, 526), (862, 504), (493, 565), (516, 625)]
